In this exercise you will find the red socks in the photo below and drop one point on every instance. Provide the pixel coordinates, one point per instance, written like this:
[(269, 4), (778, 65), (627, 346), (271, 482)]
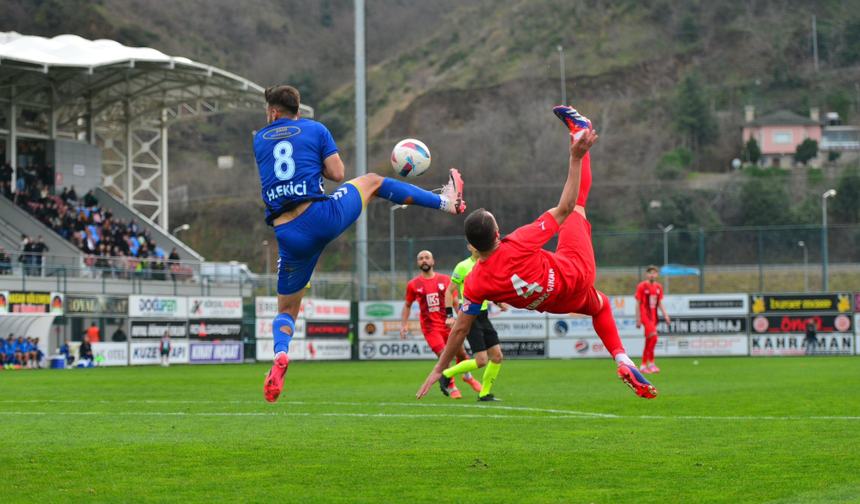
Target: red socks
[(585, 181), (604, 325), (648, 355)]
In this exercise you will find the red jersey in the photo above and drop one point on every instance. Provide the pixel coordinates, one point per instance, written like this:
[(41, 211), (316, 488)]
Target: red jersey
[(649, 296), (524, 275), (430, 294)]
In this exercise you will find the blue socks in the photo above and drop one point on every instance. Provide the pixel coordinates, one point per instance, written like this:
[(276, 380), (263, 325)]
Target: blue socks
[(283, 328), (407, 194)]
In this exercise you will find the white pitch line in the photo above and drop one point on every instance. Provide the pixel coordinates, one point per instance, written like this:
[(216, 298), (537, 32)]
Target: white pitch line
[(556, 413), (282, 414)]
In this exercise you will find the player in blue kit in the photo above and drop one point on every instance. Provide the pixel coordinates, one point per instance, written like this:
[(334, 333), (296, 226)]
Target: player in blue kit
[(294, 155)]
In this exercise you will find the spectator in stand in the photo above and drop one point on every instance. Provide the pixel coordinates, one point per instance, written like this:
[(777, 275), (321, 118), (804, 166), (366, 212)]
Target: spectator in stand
[(48, 179), (72, 197), (119, 264), (173, 264), (134, 228), (119, 335), (39, 249), (93, 333), (5, 262), (102, 262), (85, 352), (66, 351), (90, 199), (158, 270), (27, 256)]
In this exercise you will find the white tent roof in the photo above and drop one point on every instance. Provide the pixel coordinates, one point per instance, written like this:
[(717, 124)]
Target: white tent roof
[(56, 56)]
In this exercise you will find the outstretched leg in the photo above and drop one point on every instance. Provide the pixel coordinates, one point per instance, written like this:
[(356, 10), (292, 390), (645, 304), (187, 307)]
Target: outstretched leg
[(450, 200)]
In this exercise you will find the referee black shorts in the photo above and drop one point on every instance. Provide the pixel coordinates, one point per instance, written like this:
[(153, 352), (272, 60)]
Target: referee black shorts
[(482, 334)]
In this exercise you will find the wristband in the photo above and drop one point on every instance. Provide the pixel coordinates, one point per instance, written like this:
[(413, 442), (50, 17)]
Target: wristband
[(449, 311)]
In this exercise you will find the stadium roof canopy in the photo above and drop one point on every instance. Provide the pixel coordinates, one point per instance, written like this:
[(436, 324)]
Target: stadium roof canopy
[(118, 97)]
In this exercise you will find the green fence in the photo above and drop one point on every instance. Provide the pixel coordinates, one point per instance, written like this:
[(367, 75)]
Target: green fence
[(746, 259)]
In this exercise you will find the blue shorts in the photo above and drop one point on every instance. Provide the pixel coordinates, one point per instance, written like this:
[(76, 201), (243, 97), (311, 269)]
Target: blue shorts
[(302, 240)]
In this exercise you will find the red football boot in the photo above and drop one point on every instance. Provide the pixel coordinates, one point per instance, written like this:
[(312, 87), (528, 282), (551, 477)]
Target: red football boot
[(275, 379), (634, 379)]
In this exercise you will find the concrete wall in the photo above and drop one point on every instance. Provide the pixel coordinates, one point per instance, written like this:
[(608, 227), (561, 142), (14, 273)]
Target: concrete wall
[(78, 164)]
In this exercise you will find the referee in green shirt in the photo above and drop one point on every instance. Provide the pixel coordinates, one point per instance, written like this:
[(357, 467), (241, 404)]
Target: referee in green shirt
[(483, 338)]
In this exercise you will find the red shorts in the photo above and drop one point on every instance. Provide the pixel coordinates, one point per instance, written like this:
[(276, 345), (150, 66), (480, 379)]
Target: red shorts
[(650, 327), (437, 339), (575, 258), (574, 244)]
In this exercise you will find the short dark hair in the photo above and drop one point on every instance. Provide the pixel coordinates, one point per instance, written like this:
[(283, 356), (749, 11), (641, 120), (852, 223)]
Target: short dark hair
[(286, 98), (652, 267), (480, 230)]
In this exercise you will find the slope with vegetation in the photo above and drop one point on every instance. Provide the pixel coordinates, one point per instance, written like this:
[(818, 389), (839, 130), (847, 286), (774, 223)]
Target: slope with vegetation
[(664, 82)]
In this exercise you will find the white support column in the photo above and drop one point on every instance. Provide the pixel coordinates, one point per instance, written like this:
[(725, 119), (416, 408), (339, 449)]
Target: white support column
[(91, 122), (12, 139), (52, 116), (129, 156), (163, 218)]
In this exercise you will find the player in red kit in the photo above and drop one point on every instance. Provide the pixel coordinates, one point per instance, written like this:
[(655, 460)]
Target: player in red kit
[(517, 271), (428, 289), (649, 297)]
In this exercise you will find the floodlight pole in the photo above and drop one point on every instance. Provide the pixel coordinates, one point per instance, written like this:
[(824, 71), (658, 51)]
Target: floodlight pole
[(360, 142), (561, 71), (831, 192), (666, 252), (805, 266), (391, 244)]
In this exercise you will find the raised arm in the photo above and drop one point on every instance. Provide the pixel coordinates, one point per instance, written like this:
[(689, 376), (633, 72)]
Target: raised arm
[(455, 342), (567, 202)]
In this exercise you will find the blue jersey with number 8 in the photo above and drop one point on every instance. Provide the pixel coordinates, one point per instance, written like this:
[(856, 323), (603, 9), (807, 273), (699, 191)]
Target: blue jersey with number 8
[(290, 156)]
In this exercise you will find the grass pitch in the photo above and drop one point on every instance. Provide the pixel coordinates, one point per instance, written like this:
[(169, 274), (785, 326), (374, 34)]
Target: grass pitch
[(746, 430)]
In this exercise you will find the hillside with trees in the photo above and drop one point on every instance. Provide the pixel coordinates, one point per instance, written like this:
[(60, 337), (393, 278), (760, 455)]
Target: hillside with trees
[(665, 83)]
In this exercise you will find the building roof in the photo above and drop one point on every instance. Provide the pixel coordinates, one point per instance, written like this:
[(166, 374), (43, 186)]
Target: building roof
[(783, 118), (108, 71)]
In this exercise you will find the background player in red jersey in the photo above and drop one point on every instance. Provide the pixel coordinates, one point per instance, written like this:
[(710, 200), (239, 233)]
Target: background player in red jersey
[(649, 297), (517, 271), (428, 289)]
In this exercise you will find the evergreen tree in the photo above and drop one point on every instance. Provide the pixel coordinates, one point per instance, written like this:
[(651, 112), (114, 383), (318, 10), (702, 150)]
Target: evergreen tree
[(693, 117), (752, 152), (806, 151), (846, 204)]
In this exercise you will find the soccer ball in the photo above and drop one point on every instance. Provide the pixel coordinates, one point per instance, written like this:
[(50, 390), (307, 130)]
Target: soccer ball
[(410, 158)]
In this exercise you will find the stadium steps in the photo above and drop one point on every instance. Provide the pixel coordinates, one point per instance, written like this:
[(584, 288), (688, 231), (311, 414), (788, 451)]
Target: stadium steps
[(15, 221)]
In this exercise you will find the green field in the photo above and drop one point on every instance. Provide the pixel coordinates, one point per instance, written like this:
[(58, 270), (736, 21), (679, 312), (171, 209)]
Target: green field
[(745, 430)]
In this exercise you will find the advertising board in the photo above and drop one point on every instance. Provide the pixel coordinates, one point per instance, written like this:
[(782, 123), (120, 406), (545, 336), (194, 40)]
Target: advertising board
[(112, 354), (214, 307), (146, 353), (158, 306)]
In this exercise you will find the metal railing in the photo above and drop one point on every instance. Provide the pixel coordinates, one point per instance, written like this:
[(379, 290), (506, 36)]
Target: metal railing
[(767, 258)]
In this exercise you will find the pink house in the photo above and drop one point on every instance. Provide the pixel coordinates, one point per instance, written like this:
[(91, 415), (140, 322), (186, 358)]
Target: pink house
[(779, 134)]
